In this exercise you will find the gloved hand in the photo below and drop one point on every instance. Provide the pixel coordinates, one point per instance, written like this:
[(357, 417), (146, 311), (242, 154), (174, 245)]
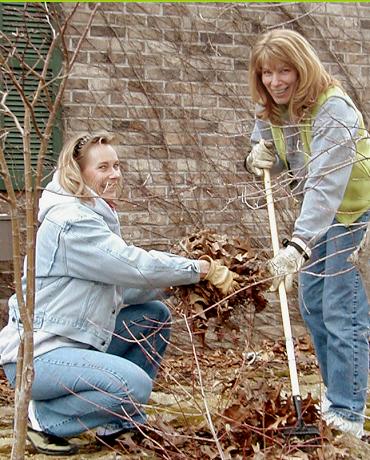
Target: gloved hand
[(219, 275), (287, 262), (262, 156)]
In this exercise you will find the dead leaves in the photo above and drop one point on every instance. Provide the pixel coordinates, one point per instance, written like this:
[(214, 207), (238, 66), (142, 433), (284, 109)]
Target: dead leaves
[(249, 401), (260, 420), (203, 301), (6, 393)]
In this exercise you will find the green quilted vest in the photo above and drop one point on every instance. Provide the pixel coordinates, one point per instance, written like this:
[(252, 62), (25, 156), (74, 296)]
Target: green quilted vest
[(356, 198)]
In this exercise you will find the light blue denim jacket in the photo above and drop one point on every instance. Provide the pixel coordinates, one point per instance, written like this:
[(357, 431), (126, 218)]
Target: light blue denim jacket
[(85, 272)]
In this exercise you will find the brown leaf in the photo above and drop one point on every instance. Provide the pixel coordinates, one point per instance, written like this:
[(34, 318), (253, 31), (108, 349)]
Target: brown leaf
[(198, 301)]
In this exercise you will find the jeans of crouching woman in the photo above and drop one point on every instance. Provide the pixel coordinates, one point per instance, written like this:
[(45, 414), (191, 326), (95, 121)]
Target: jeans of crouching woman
[(77, 389), (335, 308)]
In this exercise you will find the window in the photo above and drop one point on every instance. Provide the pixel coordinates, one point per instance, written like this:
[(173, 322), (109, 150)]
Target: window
[(25, 27)]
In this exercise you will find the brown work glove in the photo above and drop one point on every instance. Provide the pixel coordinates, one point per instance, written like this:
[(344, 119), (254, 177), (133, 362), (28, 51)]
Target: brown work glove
[(220, 276)]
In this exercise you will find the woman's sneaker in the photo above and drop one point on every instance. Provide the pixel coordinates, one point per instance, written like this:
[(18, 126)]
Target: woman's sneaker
[(325, 404), (49, 444), (334, 420), (43, 442), (107, 437)]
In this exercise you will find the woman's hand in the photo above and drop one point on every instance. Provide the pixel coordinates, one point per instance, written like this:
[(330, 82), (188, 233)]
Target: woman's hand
[(262, 157), (287, 262), (219, 275)]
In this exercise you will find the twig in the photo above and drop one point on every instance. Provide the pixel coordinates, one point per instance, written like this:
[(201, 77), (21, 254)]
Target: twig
[(208, 414)]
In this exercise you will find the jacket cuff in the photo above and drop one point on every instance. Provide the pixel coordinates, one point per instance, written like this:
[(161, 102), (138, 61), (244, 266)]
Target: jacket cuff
[(302, 247)]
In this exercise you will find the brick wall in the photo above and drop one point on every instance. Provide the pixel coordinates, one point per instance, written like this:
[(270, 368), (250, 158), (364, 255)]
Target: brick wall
[(171, 81)]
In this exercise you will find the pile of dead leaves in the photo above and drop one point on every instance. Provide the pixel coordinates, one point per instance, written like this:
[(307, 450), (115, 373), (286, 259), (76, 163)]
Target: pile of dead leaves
[(6, 393), (245, 427), (203, 301), (250, 406), (263, 420)]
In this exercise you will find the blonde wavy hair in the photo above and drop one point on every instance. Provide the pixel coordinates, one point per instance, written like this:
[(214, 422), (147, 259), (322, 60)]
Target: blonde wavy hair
[(293, 49), (71, 161)]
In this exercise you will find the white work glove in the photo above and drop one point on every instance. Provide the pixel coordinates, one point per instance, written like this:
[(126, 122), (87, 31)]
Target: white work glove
[(262, 156), (287, 262)]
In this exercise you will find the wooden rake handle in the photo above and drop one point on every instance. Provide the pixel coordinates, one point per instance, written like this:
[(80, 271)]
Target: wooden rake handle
[(282, 291)]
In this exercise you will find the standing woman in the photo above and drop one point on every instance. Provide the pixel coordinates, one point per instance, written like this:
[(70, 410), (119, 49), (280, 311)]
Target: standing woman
[(99, 333), (308, 126)]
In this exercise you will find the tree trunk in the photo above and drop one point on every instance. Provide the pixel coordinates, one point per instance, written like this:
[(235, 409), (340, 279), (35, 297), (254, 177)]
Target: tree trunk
[(58, 25)]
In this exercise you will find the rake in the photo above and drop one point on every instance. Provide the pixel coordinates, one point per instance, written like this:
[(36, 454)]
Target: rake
[(300, 429)]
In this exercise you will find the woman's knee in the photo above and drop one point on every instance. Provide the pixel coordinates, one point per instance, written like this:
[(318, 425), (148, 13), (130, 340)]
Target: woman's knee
[(159, 311), (143, 389), (136, 388), (158, 316), (153, 311), (131, 381)]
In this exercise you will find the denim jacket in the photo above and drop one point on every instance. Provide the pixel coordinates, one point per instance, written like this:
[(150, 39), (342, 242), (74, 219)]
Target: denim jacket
[(85, 272)]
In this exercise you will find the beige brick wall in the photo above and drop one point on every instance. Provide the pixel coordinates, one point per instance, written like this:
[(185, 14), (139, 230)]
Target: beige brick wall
[(171, 80)]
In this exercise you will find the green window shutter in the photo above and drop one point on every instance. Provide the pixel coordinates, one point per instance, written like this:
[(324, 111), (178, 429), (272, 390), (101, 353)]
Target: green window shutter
[(26, 25)]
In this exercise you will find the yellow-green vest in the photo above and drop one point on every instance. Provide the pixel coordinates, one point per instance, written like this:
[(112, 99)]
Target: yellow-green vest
[(356, 198)]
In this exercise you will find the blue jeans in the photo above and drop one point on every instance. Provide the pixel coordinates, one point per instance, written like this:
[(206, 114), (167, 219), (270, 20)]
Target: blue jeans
[(335, 308), (79, 389)]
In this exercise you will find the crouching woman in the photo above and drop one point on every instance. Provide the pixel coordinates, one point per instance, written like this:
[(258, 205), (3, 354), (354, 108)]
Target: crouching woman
[(99, 331)]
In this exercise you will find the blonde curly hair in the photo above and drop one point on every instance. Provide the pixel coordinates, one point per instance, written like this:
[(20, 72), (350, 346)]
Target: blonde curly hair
[(291, 48)]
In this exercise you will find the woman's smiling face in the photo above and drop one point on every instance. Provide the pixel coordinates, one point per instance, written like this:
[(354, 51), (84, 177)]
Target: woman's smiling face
[(280, 80), (101, 171)]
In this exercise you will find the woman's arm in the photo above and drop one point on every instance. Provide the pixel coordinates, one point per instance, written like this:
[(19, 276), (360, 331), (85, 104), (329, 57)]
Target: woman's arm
[(332, 153)]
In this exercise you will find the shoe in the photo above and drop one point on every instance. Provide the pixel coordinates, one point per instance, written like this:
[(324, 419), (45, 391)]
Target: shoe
[(49, 444), (325, 404), (105, 437), (109, 436), (340, 423)]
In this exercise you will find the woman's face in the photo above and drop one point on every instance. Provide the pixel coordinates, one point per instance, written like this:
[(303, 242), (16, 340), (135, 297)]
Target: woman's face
[(280, 80), (101, 171)]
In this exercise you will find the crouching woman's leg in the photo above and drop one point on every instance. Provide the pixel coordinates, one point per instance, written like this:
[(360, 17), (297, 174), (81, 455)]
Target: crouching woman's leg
[(142, 334), (75, 390)]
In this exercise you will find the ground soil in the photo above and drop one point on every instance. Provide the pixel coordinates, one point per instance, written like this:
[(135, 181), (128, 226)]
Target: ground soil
[(227, 385)]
